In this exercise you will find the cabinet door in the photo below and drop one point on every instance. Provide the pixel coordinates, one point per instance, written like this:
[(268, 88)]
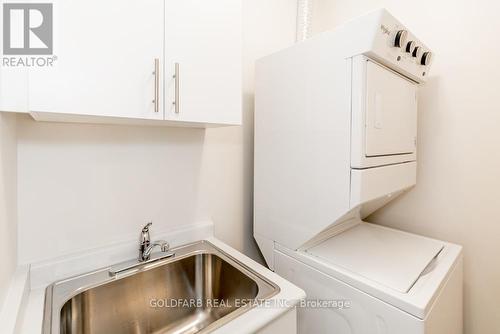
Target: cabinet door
[(205, 39), (106, 53)]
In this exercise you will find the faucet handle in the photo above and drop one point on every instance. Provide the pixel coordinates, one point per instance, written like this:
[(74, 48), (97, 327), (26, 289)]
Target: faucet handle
[(165, 246), (144, 238), (146, 227)]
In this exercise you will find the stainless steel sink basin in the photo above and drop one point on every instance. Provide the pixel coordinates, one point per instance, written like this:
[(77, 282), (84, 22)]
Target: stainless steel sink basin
[(199, 289)]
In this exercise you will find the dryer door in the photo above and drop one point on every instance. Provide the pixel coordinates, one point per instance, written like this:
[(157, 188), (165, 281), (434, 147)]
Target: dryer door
[(390, 112)]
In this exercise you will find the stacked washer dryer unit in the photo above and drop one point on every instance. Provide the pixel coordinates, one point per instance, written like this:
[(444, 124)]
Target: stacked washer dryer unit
[(335, 140)]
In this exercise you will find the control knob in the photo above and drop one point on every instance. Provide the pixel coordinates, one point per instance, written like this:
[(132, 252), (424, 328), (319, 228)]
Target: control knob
[(410, 46), (400, 39), (417, 52), (426, 58)]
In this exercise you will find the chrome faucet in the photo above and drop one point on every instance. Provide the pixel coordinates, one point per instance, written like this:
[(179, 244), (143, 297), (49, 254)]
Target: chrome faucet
[(145, 249), (146, 246)]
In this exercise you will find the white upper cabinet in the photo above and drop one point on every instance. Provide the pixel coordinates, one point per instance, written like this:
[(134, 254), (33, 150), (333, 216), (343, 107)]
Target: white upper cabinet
[(107, 53), (204, 39)]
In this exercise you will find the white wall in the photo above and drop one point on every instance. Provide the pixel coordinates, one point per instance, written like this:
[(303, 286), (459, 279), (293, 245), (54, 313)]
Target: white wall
[(458, 189), (268, 26), (8, 230), (85, 186)]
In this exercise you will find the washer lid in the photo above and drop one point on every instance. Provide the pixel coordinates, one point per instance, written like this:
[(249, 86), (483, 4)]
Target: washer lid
[(389, 257)]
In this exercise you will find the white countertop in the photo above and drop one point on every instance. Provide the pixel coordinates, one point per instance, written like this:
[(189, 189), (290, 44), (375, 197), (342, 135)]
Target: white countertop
[(40, 276)]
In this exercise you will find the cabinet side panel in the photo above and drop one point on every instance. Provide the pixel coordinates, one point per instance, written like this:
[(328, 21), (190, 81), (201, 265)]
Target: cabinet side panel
[(302, 135), (287, 323)]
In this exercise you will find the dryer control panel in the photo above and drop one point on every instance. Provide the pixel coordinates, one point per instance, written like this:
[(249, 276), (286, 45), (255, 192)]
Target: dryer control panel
[(396, 47)]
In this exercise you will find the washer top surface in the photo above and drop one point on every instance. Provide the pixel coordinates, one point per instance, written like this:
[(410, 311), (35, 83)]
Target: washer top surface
[(389, 257)]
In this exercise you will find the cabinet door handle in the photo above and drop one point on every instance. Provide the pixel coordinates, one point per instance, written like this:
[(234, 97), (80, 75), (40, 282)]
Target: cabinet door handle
[(156, 101), (176, 102)]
